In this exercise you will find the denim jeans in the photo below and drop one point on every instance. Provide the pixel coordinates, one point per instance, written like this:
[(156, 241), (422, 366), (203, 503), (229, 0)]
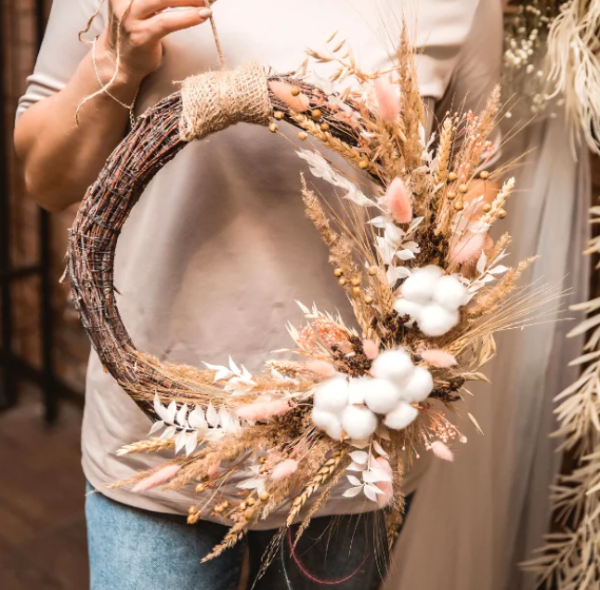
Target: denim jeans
[(133, 549)]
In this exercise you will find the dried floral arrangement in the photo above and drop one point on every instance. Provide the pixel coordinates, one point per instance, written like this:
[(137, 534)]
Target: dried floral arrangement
[(364, 396), (570, 559)]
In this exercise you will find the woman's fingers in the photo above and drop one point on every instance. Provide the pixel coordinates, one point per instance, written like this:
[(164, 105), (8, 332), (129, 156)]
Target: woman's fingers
[(163, 23), (146, 8)]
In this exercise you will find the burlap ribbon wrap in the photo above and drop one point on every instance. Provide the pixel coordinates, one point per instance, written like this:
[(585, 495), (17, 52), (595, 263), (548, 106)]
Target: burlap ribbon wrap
[(215, 100)]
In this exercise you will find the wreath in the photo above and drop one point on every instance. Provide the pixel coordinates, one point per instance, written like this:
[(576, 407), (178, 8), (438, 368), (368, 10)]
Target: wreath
[(419, 267)]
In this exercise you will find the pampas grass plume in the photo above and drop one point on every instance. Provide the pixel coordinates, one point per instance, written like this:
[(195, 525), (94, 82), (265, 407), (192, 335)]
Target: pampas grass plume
[(468, 249), (284, 469), (162, 476), (397, 201), (321, 368), (283, 92), (262, 410), (387, 99), (441, 451), (438, 358), (371, 349)]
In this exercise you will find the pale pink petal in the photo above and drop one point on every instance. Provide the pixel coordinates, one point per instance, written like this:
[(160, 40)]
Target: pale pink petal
[(468, 249), (283, 91), (441, 451), (438, 358), (386, 487), (387, 98), (162, 476), (262, 410), (284, 469), (213, 469), (371, 349), (321, 368), (398, 201)]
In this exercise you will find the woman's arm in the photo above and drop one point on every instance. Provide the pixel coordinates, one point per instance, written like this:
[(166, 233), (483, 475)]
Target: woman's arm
[(62, 158)]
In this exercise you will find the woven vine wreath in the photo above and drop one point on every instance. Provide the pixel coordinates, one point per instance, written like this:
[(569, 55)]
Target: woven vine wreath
[(421, 272)]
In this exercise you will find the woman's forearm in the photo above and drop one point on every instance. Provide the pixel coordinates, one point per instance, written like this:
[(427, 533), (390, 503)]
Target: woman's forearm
[(62, 157)]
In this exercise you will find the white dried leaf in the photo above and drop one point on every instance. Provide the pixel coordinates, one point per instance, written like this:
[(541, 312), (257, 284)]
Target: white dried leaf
[(181, 417), (379, 450), (359, 457), (196, 419), (233, 367), (481, 263), (169, 433), (498, 270), (191, 443), (172, 411), (156, 427), (212, 416), (350, 493), (180, 441), (371, 492), (354, 467), (354, 480), (220, 372), (160, 410), (376, 475)]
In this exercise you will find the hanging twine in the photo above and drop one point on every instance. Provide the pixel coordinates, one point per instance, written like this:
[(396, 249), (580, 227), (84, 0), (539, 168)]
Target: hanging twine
[(215, 100)]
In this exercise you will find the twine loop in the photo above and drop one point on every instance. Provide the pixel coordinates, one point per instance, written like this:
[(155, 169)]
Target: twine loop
[(214, 101)]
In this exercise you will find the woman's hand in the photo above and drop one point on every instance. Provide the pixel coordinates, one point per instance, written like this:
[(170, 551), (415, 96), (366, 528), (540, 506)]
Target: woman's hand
[(138, 27)]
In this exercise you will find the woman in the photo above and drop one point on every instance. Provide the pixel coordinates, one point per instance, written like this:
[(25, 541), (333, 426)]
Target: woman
[(211, 260)]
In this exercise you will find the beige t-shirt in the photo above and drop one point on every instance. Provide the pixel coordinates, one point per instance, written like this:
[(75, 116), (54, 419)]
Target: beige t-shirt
[(218, 248)]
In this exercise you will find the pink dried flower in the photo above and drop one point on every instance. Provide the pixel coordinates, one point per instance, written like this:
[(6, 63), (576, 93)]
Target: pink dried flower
[(371, 349), (398, 201), (386, 487), (284, 469), (283, 91), (438, 358), (441, 451), (468, 249), (321, 368), (263, 410), (162, 476), (213, 469), (387, 98)]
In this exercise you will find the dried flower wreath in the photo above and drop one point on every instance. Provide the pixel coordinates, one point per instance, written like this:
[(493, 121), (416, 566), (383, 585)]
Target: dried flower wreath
[(418, 264)]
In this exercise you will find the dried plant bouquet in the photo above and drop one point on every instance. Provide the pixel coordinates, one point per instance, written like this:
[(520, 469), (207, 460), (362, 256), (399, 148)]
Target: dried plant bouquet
[(365, 395)]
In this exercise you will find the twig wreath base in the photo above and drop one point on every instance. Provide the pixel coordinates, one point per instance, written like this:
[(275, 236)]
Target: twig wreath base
[(206, 104)]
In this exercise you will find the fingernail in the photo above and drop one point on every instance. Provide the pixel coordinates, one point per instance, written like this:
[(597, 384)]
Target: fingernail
[(205, 12)]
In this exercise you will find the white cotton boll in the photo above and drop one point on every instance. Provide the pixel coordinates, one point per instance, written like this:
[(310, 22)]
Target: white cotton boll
[(420, 285), (332, 395), (381, 395), (418, 387), (401, 416), (450, 293), (327, 422), (356, 390), (395, 365), (436, 320), (405, 307), (358, 422)]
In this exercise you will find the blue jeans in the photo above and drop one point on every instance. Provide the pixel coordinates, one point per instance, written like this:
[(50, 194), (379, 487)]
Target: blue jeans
[(133, 549)]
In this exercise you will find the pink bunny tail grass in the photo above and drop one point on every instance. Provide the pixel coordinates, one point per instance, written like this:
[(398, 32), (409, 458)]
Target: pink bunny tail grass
[(283, 92), (263, 410), (438, 358), (371, 349), (321, 368), (398, 201), (386, 487), (441, 451), (162, 476), (388, 101), (284, 469), (213, 469), (468, 249)]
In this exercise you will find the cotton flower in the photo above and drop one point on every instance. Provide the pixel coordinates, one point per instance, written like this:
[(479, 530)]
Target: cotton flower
[(432, 300), (358, 422), (401, 416)]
